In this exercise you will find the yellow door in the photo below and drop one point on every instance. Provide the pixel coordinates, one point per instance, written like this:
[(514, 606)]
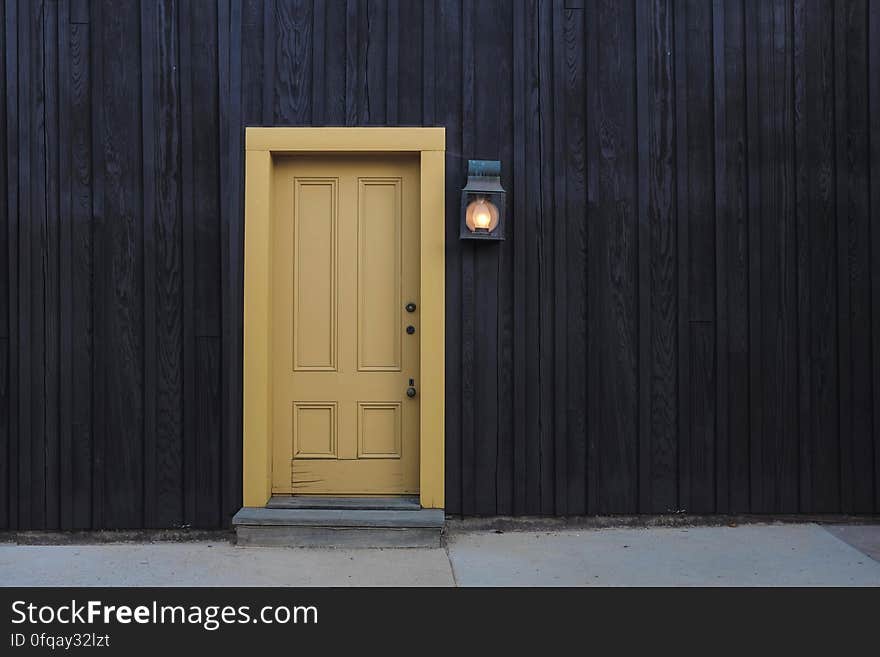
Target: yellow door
[(345, 263)]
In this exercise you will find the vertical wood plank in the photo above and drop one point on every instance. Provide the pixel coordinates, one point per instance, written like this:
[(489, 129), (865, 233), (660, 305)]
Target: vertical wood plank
[(616, 211), (5, 496), (721, 221), (269, 48), (575, 245), (643, 92), (167, 271), (375, 66), (318, 57), (662, 257), (518, 216), (469, 388), (503, 131), (82, 274), (4, 205), (51, 260), (25, 222), (854, 284), (682, 235), (874, 159), (207, 228), (558, 244), (5, 292), (65, 274), (208, 428), (699, 258), (232, 260), (410, 65), (123, 342), (429, 12), (842, 242), (99, 246), (252, 55), (534, 213), (187, 195), (292, 80), (392, 61), (544, 246), (733, 236), (13, 198), (594, 235), (443, 85), (352, 86), (149, 199), (334, 65), (753, 56), (778, 450)]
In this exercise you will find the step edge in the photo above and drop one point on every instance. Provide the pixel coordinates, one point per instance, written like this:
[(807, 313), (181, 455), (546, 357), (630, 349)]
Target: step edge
[(402, 519)]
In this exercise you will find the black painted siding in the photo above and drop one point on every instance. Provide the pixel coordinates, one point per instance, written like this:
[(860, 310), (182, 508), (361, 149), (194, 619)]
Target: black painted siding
[(685, 314)]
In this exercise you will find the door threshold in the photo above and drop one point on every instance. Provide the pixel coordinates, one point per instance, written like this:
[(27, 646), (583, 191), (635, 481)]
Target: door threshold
[(403, 503)]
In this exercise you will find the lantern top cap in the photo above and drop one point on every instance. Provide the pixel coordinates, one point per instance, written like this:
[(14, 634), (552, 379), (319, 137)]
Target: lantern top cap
[(484, 168), (484, 176)]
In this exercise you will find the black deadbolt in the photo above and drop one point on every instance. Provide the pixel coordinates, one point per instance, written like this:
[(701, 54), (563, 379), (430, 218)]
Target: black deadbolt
[(410, 307), (410, 329), (410, 392)]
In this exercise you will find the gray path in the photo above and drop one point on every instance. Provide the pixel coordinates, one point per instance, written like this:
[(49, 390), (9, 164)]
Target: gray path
[(760, 555), (748, 555)]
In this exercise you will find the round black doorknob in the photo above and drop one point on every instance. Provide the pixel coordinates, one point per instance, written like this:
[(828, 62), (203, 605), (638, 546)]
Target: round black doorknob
[(410, 307), (410, 329), (410, 392)]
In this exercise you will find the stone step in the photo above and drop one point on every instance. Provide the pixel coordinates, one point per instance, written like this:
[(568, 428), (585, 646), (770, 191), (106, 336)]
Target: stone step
[(334, 527), (409, 503)]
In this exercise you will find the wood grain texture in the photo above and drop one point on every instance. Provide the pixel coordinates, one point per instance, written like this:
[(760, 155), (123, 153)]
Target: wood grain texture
[(615, 248), (874, 159), (5, 252), (10, 186), (65, 277), (573, 254), (853, 219), (81, 290), (121, 289), (657, 258), (684, 314), (733, 261), (168, 272)]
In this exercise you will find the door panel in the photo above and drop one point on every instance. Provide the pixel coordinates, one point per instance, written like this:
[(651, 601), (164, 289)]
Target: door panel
[(345, 262), (315, 284), (379, 270)]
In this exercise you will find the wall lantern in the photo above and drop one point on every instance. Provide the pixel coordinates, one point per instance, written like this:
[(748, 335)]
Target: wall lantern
[(482, 202)]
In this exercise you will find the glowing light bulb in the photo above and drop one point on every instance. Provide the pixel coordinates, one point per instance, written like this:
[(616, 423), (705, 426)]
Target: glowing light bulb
[(482, 216)]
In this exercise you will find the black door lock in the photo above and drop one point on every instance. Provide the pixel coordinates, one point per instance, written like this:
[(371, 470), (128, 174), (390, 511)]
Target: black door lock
[(410, 307), (410, 329)]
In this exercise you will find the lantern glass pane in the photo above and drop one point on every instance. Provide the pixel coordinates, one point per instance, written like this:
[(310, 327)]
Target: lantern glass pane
[(481, 215)]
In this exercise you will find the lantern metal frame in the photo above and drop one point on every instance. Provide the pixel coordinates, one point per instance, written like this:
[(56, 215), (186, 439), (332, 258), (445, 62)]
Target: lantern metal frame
[(484, 182)]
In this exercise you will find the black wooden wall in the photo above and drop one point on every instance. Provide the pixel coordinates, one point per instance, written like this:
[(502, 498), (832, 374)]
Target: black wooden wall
[(685, 314)]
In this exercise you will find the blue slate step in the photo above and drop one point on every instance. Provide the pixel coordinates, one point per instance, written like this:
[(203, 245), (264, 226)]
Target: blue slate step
[(335, 527)]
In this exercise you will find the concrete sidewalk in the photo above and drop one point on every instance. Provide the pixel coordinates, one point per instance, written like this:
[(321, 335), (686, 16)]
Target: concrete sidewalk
[(748, 555)]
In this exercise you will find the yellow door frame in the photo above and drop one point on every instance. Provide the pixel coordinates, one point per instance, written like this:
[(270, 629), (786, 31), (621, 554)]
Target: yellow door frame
[(260, 145)]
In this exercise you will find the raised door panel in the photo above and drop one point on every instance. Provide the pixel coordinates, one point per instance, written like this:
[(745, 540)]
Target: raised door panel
[(315, 278), (379, 274), (379, 430), (314, 430)]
